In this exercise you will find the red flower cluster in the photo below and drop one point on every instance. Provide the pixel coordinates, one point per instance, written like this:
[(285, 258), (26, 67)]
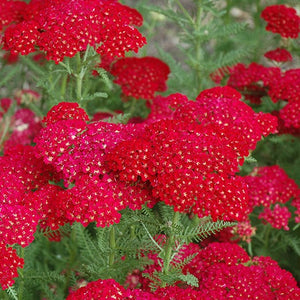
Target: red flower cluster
[(190, 160), (9, 263), (279, 55), (65, 111), (141, 77), (278, 217), (252, 81), (10, 11), (296, 204), (270, 185), (224, 270), (283, 20), (63, 28), (98, 290)]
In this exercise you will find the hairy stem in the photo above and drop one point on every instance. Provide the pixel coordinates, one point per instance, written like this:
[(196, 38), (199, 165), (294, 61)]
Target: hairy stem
[(170, 244), (112, 244)]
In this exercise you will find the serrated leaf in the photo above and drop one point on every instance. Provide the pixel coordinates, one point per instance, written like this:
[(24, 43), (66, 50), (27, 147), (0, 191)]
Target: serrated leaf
[(190, 279)]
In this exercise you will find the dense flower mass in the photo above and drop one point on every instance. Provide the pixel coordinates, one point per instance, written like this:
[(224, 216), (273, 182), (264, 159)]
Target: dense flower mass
[(252, 81), (279, 55), (10, 11), (63, 28), (283, 20), (65, 111), (190, 160), (278, 217), (18, 224), (9, 263), (224, 270), (141, 77), (270, 185), (98, 290)]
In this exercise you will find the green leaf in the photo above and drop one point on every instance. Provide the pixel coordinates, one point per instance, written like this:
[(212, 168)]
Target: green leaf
[(190, 279)]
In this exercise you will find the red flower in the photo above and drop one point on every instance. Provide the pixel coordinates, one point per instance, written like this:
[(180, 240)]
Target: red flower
[(269, 185), (279, 55), (141, 77), (164, 107), (21, 172), (10, 11), (290, 114), (63, 28), (252, 81), (286, 86), (9, 263), (65, 111), (283, 20), (17, 224), (99, 290), (278, 217)]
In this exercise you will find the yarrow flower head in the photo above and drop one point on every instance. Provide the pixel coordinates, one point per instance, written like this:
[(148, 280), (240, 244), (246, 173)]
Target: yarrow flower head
[(10, 11), (63, 28), (98, 290), (283, 20), (17, 224), (224, 270), (252, 81), (278, 217), (65, 111), (9, 264), (141, 77), (270, 185), (190, 158), (279, 55)]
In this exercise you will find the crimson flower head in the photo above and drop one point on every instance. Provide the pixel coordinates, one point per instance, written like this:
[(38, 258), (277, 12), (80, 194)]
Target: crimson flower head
[(65, 111), (279, 55), (9, 264), (278, 217), (63, 28), (141, 77), (283, 20), (10, 11)]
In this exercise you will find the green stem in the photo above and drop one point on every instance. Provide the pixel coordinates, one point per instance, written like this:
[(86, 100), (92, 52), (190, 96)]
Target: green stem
[(132, 107), (257, 18), (228, 7), (112, 244), (185, 12), (198, 45), (63, 86), (151, 238), (73, 256), (21, 275), (170, 244), (7, 123), (267, 236), (250, 249)]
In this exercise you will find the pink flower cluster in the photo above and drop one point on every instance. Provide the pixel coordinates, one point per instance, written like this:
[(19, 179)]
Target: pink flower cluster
[(63, 28)]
